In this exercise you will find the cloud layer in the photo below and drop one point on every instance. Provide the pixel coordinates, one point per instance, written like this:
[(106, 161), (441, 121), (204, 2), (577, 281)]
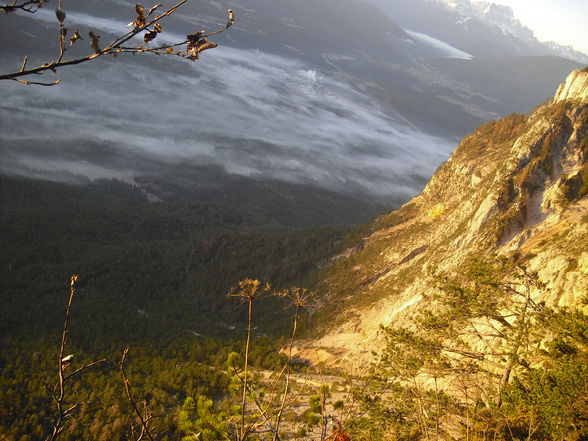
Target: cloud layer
[(251, 112), (445, 49)]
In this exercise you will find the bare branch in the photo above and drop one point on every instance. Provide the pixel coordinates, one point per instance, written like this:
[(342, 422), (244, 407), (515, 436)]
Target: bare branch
[(37, 83), (70, 409), (144, 417), (194, 43), (58, 392), (30, 6), (84, 367)]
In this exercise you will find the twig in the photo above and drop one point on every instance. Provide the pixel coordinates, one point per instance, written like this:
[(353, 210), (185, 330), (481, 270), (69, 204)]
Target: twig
[(146, 416), (37, 83), (195, 43), (84, 367), (30, 6), (58, 392)]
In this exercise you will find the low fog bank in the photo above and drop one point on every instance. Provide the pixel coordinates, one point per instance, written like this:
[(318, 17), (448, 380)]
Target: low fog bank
[(446, 49), (252, 113)]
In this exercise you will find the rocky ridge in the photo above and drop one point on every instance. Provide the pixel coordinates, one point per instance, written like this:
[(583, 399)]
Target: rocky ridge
[(517, 186), (575, 87)]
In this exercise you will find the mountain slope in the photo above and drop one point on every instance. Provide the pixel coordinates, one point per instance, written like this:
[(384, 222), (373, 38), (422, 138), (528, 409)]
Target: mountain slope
[(517, 186)]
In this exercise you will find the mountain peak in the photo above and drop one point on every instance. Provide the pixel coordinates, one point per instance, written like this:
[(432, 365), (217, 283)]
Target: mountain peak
[(498, 15), (502, 18), (574, 88), (494, 8)]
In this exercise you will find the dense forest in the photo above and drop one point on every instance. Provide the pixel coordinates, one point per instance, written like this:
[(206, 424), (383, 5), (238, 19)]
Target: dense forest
[(191, 387), (157, 267), (153, 277)]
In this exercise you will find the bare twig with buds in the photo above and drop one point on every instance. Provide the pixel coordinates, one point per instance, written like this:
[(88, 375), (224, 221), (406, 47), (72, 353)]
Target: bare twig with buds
[(145, 23), (31, 6), (58, 391)]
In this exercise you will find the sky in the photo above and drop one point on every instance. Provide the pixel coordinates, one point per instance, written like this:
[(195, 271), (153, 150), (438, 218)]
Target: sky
[(562, 21)]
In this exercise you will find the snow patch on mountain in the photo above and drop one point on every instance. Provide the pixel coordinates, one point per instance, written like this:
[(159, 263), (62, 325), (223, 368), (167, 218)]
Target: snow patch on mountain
[(499, 15)]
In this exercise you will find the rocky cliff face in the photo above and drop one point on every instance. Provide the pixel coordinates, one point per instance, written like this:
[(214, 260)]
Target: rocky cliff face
[(517, 186), (575, 87)]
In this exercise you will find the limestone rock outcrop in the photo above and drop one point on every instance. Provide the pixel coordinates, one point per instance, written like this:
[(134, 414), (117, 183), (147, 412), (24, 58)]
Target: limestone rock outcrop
[(517, 186), (574, 88)]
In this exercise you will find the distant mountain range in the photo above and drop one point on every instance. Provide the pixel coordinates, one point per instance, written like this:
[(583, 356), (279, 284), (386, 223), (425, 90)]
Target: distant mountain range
[(478, 27)]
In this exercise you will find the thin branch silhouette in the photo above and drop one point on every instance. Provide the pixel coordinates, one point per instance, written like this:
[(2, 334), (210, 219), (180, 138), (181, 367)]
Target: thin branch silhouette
[(143, 23), (59, 391), (143, 417), (30, 6)]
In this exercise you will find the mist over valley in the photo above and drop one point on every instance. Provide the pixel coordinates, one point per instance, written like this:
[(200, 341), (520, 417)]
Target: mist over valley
[(371, 115)]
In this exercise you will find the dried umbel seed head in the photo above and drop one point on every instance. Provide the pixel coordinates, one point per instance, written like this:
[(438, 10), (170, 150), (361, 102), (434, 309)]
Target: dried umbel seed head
[(248, 289), (299, 297)]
